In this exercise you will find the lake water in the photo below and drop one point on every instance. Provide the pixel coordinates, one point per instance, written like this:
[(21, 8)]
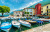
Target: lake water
[(13, 29), (4, 15), (22, 28)]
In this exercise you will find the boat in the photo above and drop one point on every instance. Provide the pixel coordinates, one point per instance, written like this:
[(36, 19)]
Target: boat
[(14, 17), (24, 23), (6, 26), (3, 19), (44, 20), (30, 21), (39, 21), (7, 18), (16, 24)]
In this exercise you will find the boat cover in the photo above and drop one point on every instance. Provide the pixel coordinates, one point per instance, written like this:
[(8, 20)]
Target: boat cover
[(6, 25)]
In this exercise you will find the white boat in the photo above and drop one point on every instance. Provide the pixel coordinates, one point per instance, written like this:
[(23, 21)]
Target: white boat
[(15, 17), (7, 18), (5, 26), (11, 18), (24, 23), (16, 24), (43, 19), (3, 18)]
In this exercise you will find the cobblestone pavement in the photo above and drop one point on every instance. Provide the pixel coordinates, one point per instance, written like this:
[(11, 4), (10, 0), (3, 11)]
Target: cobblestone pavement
[(44, 28)]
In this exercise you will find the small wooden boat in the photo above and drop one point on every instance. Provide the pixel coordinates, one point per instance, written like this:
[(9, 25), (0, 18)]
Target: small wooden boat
[(24, 23), (39, 21), (5, 26), (16, 24), (3, 18), (44, 20), (30, 21)]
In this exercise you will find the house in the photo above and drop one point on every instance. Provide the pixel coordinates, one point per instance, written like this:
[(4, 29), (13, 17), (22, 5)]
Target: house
[(18, 13), (38, 9), (29, 12), (45, 9)]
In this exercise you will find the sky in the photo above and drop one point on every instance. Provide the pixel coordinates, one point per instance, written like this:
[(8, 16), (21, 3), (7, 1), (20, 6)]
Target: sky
[(18, 4)]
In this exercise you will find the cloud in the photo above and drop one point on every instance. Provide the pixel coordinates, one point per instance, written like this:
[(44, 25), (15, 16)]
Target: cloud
[(14, 9), (2, 1)]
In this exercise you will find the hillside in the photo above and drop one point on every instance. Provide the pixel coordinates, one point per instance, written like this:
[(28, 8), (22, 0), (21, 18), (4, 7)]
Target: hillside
[(44, 2)]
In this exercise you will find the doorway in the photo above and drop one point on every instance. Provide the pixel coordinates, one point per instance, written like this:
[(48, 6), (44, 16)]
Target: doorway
[(47, 12)]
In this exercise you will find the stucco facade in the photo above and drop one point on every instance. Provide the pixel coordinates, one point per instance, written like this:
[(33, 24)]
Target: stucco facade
[(18, 13), (38, 9), (30, 11), (45, 9)]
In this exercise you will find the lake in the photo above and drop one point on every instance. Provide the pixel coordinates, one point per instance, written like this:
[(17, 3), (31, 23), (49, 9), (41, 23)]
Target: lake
[(22, 28), (4, 15)]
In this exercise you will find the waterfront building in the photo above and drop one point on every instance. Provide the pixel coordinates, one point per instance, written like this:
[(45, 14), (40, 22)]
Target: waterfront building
[(45, 9), (18, 13), (29, 12), (38, 9)]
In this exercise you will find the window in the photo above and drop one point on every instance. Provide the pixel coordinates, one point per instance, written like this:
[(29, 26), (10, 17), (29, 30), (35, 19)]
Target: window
[(42, 8), (26, 10), (30, 12), (41, 11), (47, 6)]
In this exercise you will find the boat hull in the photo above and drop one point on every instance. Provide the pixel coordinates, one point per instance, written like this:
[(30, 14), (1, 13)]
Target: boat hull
[(18, 26), (7, 30), (31, 21), (27, 25), (6, 26)]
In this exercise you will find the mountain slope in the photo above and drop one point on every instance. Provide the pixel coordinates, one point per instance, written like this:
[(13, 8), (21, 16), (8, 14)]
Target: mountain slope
[(44, 2)]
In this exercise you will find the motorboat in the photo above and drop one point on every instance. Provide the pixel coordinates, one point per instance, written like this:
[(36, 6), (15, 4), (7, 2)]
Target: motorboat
[(15, 17), (7, 18), (6, 26), (30, 21), (24, 23), (44, 20), (16, 24), (12, 18), (3, 18), (39, 21)]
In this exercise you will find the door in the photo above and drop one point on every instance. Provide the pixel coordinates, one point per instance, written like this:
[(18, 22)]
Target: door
[(47, 12)]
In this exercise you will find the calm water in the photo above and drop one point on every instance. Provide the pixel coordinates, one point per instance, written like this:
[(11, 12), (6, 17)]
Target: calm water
[(13, 29), (4, 15), (22, 28)]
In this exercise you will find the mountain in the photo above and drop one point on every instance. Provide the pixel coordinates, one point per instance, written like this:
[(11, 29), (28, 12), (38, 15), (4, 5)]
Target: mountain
[(15, 10), (44, 2), (19, 10)]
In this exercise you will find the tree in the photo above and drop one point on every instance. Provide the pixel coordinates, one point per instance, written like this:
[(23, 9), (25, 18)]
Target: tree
[(4, 9)]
